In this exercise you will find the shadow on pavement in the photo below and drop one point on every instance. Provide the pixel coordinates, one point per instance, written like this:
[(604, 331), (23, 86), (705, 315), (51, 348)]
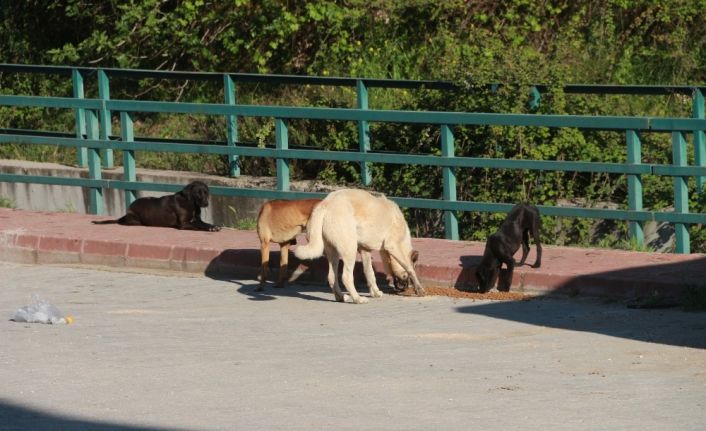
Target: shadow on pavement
[(670, 327), (13, 416), (659, 291), (271, 292), (234, 265)]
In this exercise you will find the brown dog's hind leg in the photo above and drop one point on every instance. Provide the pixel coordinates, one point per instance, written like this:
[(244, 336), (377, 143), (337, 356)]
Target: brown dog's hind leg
[(283, 264), (264, 263)]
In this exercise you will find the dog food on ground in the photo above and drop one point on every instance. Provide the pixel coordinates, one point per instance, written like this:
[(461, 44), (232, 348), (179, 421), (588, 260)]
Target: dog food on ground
[(455, 293)]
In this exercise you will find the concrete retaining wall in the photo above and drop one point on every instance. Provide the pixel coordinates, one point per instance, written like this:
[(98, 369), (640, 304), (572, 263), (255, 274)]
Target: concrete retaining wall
[(225, 211)]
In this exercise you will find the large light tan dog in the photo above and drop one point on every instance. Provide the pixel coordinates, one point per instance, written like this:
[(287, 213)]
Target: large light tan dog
[(280, 221), (350, 220)]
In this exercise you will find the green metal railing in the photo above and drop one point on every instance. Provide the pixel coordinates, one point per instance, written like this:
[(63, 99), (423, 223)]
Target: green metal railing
[(95, 145)]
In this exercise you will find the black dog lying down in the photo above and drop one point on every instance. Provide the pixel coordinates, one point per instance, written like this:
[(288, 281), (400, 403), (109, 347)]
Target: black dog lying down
[(502, 245), (181, 210)]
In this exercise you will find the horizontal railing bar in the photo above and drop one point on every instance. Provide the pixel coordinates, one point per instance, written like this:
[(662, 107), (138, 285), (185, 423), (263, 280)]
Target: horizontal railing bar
[(44, 133), (345, 81), (677, 124), (217, 190), (341, 156), (460, 161), (64, 142), (54, 181), (596, 213), (686, 218), (49, 138), (50, 102), (52, 70), (679, 171), (372, 115), (238, 77), (148, 139), (467, 162), (671, 217), (647, 90), (545, 210)]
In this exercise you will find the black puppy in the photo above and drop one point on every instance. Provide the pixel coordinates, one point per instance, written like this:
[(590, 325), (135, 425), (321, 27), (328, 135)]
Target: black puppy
[(181, 210), (502, 245)]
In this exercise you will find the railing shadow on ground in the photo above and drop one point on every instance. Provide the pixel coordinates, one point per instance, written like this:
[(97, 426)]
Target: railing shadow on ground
[(14, 416), (665, 291), (306, 277)]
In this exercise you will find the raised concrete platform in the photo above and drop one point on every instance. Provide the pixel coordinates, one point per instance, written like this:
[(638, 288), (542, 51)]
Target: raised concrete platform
[(65, 238)]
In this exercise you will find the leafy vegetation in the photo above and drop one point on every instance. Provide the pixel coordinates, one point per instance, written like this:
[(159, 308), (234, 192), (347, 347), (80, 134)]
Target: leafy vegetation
[(472, 43)]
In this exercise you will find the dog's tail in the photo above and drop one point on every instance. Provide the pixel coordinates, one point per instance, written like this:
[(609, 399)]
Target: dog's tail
[(121, 220), (314, 232), (104, 221)]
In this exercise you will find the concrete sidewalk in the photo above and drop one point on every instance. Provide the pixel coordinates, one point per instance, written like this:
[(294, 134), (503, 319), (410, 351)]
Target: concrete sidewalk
[(186, 352), (41, 237)]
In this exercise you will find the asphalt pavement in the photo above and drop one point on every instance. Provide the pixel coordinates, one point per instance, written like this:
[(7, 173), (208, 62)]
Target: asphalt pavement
[(151, 350)]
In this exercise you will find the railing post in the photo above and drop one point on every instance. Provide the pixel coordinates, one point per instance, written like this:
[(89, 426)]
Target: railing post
[(635, 186), (127, 134), (681, 192), (449, 177), (77, 79), (363, 132), (231, 125), (699, 140), (282, 143), (95, 194), (105, 126)]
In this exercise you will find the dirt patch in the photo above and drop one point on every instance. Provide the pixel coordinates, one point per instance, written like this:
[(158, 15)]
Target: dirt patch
[(455, 293)]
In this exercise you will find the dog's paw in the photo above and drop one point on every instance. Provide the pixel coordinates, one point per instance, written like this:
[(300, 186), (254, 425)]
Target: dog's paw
[(360, 299), (376, 294), (214, 228)]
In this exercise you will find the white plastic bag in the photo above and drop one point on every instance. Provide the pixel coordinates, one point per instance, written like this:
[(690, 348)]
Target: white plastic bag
[(40, 311)]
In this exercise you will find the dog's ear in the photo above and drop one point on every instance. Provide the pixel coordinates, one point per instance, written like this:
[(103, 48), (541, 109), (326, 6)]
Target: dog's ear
[(200, 194), (187, 191), (415, 256)]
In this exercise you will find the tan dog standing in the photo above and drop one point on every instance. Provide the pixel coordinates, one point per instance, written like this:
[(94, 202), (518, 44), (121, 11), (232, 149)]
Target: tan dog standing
[(351, 220), (280, 221)]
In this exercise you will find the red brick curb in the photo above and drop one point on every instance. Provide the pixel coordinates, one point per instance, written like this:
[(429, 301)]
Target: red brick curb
[(62, 238)]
